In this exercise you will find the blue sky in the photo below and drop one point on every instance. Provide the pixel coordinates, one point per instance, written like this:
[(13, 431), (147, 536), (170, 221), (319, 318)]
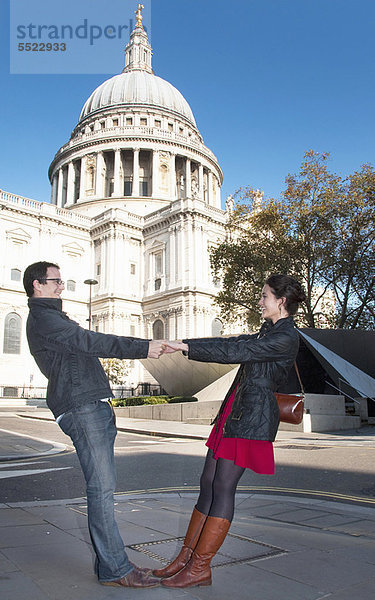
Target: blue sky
[(266, 80)]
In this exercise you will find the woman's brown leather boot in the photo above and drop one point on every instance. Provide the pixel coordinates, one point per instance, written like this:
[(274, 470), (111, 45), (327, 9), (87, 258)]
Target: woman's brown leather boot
[(198, 571), (195, 527)]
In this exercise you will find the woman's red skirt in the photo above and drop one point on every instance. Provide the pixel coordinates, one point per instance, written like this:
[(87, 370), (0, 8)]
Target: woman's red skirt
[(251, 454)]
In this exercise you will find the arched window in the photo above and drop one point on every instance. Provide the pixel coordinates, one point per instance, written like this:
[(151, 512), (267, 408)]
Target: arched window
[(158, 330), (15, 275), (71, 285), (12, 334), (216, 327)]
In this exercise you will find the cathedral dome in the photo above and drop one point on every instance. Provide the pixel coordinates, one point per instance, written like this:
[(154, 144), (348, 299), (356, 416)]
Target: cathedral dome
[(138, 87)]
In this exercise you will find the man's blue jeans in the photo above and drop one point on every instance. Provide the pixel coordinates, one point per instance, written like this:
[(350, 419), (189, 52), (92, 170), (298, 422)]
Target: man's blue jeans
[(92, 430)]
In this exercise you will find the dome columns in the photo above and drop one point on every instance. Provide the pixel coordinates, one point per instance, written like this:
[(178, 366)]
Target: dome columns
[(155, 173), (188, 177), (54, 190), (200, 182), (117, 174), (100, 172), (135, 189), (60, 181), (137, 173), (71, 182), (172, 171)]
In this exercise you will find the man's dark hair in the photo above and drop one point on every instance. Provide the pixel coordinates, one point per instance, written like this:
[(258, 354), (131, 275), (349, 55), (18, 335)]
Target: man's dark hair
[(37, 271)]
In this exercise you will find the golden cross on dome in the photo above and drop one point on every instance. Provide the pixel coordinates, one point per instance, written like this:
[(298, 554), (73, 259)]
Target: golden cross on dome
[(139, 15)]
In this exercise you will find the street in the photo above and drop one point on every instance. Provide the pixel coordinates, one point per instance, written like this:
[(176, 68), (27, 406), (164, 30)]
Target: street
[(339, 468)]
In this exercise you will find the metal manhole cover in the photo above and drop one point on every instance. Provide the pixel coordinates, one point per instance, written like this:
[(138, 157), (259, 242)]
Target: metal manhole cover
[(236, 549)]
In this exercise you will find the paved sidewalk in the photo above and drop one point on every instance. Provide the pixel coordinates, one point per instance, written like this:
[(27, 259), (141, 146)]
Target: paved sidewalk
[(279, 547)]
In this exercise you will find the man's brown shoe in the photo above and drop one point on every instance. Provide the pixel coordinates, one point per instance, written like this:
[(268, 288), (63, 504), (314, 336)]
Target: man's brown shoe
[(134, 579), (145, 570)]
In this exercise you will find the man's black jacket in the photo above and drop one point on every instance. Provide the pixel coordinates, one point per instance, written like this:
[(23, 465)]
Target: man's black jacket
[(67, 355), (266, 359)]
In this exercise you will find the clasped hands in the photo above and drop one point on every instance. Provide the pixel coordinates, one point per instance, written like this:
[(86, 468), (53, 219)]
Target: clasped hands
[(158, 347)]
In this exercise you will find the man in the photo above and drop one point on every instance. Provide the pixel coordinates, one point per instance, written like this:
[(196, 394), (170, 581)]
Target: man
[(79, 394)]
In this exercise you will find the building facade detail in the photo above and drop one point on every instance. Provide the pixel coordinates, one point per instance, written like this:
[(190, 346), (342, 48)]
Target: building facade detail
[(135, 204)]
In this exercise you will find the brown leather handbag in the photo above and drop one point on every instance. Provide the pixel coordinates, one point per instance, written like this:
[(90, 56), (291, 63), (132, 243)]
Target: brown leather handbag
[(291, 406)]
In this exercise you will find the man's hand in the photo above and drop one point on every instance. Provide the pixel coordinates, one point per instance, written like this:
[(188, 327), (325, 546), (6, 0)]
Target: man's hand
[(174, 346), (156, 348)]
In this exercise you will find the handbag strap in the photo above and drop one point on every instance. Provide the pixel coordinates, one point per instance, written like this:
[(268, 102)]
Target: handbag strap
[(299, 377)]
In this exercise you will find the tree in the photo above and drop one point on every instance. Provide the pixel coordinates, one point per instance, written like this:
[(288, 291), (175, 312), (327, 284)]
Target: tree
[(322, 232), (353, 276), (116, 370)]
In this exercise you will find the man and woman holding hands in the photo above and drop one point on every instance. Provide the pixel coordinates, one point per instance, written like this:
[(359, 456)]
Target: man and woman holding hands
[(79, 396)]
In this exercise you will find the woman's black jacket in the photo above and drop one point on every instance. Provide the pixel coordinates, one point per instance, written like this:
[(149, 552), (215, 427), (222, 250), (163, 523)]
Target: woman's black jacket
[(266, 359)]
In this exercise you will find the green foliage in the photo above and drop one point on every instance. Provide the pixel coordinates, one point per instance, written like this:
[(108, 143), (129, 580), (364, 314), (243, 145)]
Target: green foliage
[(140, 400), (177, 399), (322, 232), (116, 370), (143, 400)]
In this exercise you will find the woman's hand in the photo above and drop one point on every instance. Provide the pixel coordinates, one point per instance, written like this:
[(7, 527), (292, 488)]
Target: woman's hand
[(175, 346)]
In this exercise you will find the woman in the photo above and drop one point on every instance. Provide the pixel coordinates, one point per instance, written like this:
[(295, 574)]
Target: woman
[(245, 427)]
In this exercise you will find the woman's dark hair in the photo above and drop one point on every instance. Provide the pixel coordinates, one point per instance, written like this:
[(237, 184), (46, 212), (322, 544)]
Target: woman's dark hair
[(285, 286), (37, 271)]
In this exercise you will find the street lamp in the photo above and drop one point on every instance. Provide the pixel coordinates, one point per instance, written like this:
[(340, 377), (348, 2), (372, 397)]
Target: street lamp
[(90, 282)]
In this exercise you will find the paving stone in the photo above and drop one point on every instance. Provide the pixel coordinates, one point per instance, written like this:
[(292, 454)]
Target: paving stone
[(6, 565), (248, 582), (18, 516), (299, 515), (63, 517), (321, 569), (251, 502), (272, 510), (58, 568), (361, 591), (328, 521), (362, 527), (18, 586), (363, 551), (293, 536), (31, 535)]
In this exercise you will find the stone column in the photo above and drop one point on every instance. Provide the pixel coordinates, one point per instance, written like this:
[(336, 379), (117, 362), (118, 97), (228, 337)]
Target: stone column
[(82, 186), (99, 175), (188, 178), (60, 188), (116, 174), (200, 181), (70, 184), (54, 189), (173, 176), (209, 190), (135, 189), (172, 257), (155, 173), (218, 194)]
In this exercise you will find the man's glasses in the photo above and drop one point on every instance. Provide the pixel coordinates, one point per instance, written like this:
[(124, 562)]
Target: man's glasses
[(56, 279)]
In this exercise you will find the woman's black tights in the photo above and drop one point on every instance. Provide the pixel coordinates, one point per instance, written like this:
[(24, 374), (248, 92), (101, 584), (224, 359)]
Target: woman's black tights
[(218, 485)]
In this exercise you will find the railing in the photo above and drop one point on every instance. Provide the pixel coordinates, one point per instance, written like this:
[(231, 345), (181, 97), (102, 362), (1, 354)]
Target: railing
[(142, 389), (22, 392), (138, 131), (45, 208), (14, 392), (20, 200)]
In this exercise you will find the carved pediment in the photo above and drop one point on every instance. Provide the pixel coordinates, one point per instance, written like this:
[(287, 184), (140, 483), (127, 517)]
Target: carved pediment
[(73, 249), (18, 236), (157, 245)]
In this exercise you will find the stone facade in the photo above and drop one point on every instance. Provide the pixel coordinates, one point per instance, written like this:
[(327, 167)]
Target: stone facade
[(135, 204)]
